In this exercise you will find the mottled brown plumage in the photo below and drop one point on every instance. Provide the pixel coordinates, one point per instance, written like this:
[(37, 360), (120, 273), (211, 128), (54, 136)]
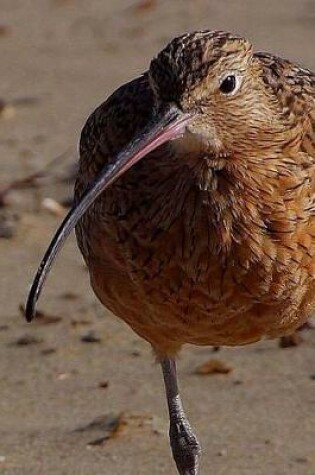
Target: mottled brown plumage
[(210, 239)]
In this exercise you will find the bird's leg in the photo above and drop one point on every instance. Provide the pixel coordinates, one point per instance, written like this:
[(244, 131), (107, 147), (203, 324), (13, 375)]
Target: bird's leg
[(185, 446)]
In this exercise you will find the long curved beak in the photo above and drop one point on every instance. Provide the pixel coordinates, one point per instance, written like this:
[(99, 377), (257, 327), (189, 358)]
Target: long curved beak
[(168, 126)]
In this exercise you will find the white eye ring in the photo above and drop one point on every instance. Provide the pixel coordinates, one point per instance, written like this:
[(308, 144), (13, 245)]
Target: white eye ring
[(230, 83)]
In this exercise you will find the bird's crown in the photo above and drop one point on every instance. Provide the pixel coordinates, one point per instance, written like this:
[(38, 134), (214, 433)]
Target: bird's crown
[(187, 60)]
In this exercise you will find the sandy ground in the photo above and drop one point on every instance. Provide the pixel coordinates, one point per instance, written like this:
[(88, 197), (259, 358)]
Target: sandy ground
[(59, 59)]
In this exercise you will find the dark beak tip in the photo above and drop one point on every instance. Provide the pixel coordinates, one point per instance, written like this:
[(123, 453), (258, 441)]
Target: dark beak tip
[(29, 311), (29, 314)]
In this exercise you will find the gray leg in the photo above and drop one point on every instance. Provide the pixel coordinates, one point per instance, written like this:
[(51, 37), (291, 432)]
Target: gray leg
[(185, 446)]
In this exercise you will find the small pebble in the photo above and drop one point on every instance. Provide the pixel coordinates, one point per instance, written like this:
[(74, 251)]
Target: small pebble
[(222, 453), (5, 30), (48, 351), (69, 296), (53, 207), (8, 222), (63, 376), (75, 323), (213, 366), (27, 340), (291, 340), (301, 460), (143, 6), (7, 111), (90, 337)]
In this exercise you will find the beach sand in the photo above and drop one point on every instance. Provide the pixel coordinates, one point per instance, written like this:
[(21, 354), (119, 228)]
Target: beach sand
[(80, 393)]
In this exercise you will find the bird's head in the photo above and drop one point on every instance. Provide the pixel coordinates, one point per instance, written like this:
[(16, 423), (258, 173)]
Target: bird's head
[(217, 82)]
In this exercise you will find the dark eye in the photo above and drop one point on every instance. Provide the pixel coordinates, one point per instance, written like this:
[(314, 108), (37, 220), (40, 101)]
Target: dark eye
[(228, 84)]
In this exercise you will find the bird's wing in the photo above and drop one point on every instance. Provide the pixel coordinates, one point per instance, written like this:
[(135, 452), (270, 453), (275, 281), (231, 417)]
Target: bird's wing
[(295, 89), (112, 126)]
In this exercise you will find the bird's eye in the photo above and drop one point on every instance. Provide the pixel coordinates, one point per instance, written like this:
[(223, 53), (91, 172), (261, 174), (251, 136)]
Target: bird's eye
[(229, 84)]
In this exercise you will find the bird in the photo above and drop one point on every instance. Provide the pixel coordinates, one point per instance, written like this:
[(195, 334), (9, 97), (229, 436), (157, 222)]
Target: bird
[(194, 205)]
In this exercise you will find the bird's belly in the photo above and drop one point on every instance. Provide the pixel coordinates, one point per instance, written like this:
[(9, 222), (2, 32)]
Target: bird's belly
[(171, 298)]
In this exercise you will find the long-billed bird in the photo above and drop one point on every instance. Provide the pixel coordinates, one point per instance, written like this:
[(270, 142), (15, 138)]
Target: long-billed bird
[(194, 204)]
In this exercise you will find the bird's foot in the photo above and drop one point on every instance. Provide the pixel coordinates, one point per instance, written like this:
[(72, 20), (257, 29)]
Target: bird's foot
[(185, 446)]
